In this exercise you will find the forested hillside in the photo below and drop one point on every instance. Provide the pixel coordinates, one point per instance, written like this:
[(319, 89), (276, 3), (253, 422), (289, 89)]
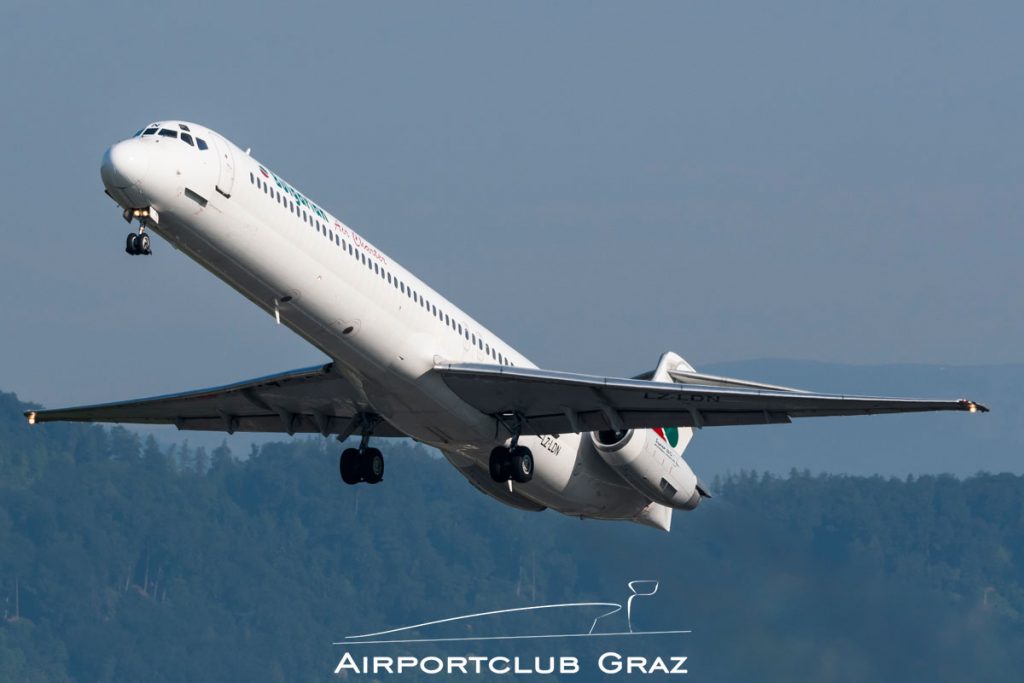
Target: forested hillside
[(120, 561)]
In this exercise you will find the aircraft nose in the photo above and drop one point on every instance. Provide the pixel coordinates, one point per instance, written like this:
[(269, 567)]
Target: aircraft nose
[(124, 164)]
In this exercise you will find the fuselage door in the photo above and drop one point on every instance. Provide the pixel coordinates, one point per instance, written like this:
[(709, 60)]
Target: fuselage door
[(226, 174)]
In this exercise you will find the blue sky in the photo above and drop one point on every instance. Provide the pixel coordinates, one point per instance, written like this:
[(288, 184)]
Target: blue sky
[(596, 182)]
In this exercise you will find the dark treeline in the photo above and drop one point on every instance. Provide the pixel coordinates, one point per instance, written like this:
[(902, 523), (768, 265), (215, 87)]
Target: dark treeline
[(123, 561)]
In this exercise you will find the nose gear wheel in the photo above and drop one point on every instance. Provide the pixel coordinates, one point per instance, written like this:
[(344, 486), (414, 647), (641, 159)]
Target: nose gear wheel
[(137, 243)]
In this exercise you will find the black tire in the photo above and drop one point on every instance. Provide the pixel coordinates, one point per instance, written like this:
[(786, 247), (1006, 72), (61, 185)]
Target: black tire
[(348, 465), (372, 465), (500, 465), (130, 244), (522, 464), (143, 244)]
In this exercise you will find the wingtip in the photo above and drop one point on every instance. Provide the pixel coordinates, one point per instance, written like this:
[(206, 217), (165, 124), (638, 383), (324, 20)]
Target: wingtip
[(972, 407)]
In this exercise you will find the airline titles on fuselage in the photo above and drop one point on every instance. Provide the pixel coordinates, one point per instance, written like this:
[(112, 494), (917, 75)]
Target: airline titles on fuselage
[(311, 206)]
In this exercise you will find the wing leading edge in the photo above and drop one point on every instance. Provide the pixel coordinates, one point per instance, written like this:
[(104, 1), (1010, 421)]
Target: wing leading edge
[(558, 402), (311, 400)]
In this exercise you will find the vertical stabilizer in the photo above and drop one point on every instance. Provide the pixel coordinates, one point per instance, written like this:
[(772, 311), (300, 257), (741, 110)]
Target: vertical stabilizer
[(677, 437)]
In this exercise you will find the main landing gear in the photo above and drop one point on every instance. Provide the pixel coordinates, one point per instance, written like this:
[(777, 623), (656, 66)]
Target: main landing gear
[(137, 243), (514, 463), (358, 465), (363, 463)]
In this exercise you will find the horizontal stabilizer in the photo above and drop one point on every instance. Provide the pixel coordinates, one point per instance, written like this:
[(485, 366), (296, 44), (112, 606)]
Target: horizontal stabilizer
[(684, 377)]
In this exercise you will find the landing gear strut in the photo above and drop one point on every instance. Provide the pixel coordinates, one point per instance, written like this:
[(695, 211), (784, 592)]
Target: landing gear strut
[(513, 463), (363, 463)]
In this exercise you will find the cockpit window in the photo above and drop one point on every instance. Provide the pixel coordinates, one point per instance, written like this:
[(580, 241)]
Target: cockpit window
[(201, 143), (168, 133), (149, 131), (139, 133), (187, 138), (183, 126)]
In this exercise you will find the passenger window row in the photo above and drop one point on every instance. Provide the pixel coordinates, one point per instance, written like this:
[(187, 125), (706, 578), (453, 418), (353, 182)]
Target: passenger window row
[(332, 236)]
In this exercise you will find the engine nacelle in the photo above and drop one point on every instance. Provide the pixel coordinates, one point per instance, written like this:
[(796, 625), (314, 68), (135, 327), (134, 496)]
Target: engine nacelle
[(647, 462)]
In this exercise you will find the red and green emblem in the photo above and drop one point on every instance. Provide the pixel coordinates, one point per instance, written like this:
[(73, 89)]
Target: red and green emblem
[(670, 434)]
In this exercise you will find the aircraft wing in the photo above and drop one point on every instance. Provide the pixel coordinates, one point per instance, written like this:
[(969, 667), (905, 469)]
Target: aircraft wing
[(315, 399), (559, 402)]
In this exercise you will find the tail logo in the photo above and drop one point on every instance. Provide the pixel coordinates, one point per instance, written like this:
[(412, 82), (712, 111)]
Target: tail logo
[(670, 434)]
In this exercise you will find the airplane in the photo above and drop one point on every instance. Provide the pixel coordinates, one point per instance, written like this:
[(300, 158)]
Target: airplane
[(407, 362)]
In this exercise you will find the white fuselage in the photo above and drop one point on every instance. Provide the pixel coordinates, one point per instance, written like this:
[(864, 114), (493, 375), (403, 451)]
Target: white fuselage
[(383, 327)]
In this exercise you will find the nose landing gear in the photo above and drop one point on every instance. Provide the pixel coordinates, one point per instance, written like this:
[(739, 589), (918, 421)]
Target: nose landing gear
[(138, 243)]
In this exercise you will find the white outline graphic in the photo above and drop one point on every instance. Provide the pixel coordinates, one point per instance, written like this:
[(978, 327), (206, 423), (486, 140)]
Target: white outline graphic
[(634, 593)]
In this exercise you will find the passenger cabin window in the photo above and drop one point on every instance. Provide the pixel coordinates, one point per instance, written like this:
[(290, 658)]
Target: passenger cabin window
[(369, 262), (168, 133)]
